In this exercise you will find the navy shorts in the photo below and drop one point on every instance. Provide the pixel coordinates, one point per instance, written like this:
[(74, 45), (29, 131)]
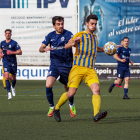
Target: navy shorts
[(11, 69), (123, 73), (63, 72)]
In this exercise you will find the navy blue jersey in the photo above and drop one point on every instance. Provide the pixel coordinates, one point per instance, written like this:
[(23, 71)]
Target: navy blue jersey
[(12, 46), (123, 53), (59, 56)]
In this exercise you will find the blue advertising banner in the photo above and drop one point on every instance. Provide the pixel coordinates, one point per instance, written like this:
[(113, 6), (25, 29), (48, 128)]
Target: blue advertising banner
[(116, 19)]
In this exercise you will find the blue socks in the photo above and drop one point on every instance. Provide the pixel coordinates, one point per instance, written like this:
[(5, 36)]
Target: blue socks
[(8, 85), (125, 91), (13, 83), (112, 85), (49, 95)]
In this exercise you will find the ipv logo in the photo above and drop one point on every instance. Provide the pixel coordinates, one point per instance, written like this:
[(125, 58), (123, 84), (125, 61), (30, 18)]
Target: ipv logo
[(14, 4), (45, 3)]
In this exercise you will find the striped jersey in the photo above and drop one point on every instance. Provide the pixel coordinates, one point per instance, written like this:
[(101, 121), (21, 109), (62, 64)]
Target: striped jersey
[(86, 50)]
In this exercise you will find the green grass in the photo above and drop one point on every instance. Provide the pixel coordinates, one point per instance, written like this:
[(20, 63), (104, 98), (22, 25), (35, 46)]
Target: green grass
[(25, 116)]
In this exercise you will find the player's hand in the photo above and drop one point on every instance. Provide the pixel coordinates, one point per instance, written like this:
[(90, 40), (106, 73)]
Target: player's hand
[(9, 52), (48, 49), (131, 63), (77, 40), (123, 60), (1, 55)]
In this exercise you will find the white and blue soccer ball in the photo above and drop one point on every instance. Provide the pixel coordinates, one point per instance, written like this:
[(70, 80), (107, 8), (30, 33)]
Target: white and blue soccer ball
[(110, 48)]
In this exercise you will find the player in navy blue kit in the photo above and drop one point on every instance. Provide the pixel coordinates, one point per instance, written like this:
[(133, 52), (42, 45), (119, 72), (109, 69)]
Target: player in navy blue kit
[(61, 61), (123, 66), (8, 51)]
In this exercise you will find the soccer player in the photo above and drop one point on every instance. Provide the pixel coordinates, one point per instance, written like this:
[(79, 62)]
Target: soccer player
[(61, 61), (123, 66), (8, 51), (120, 85), (83, 68)]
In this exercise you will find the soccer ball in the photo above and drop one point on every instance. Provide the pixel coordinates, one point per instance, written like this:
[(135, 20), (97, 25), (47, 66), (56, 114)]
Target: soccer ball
[(110, 48)]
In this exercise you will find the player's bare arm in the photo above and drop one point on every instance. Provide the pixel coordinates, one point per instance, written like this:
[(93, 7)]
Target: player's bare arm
[(119, 59), (131, 62), (100, 49), (18, 52), (43, 48), (72, 42)]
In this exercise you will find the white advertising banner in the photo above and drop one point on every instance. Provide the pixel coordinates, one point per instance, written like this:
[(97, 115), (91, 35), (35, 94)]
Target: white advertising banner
[(30, 73), (31, 21)]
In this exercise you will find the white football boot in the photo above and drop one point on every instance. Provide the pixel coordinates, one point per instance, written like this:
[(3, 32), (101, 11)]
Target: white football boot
[(9, 96), (13, 91)]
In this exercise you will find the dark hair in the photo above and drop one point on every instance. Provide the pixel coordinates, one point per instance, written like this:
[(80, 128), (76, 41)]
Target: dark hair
[(91, 17), (8, 30), (125, 38), (59, 18), (121, 40)]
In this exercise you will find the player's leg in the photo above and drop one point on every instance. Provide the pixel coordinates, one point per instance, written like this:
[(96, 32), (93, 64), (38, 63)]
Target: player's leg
[(64, 73), (8, 85), (65, 96), (92, 81), (49, 94), (51, 78), (126, 85), (118, 81), (75, 78), (13, 77)]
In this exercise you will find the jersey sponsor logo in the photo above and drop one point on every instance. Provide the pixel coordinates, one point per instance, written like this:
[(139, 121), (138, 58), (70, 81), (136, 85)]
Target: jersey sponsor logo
[(9, 46), (57, 48), (123, 56)]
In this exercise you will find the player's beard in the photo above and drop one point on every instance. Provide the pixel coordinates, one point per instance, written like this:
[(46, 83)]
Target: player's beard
[(92, 29), (60, 30)]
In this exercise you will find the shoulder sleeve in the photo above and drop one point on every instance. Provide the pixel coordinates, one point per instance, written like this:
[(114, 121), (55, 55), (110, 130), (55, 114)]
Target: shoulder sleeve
[(119, 50), (17, 47), (47, 39), (77, 35), (68, 37)]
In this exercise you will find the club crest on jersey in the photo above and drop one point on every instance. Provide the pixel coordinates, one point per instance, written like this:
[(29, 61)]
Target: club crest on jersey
[(9, 46), (62, 38)]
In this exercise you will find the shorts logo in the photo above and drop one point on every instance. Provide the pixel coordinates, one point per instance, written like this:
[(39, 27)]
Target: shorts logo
[(5, 69), (49, 73)]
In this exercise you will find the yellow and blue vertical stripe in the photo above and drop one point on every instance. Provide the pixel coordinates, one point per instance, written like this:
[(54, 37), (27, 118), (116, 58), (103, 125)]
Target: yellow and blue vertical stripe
[(86, 50)]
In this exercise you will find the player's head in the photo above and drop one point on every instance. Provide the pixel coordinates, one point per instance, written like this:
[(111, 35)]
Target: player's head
[(58, 24), (125, 41), (8, 33), (91, 23), (122, 42)]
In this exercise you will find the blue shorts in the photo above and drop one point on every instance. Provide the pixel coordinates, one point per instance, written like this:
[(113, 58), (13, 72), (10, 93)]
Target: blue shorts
[(123, 73), (10, 69), (63, 72)]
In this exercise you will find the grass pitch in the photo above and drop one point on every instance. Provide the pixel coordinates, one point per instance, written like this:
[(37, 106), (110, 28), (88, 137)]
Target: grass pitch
[(25, 116)]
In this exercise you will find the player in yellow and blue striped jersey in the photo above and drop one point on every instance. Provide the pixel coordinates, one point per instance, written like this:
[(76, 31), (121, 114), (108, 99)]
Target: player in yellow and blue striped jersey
[(83, 68)]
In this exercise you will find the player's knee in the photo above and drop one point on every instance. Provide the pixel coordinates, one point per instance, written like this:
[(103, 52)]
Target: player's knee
[(49, 85)]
